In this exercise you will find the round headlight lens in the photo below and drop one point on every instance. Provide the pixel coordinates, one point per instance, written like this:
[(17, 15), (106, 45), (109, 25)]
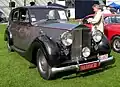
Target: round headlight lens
[(66, 38), (97, 35), (86, 51)]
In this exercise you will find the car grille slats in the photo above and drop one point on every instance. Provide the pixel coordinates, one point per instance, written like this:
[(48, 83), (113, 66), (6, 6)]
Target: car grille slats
[(86, 34), (81, 38)]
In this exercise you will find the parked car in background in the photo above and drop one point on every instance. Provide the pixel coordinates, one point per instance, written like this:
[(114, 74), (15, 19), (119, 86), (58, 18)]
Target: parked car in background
[(3, 18), (111, 29), (44, 37)]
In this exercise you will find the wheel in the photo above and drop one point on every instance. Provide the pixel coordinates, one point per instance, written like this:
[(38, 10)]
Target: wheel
[(5, 37), (43, 66), (9, 46), (116, 44)]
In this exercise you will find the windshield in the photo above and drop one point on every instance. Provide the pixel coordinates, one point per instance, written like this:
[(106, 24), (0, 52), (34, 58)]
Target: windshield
[(38, 14)]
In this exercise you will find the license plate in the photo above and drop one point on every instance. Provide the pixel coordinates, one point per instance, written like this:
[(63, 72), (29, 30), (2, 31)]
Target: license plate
[(89, 66), (102, 57)]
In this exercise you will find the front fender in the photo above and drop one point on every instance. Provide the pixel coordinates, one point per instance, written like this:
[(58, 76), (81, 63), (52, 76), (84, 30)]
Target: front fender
[(51, 49), (104, 46)]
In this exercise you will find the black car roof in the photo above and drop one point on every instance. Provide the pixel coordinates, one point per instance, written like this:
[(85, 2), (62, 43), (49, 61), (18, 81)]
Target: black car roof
[(44, 7)]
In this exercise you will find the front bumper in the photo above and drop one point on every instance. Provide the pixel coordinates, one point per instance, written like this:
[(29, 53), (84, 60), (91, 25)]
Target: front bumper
[(103, 62)]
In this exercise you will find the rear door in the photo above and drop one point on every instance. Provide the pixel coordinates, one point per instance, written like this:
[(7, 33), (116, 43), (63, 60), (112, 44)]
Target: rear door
[(13, 25), (24, 32)]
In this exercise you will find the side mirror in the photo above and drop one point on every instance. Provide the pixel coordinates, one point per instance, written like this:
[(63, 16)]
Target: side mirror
[(11, 4)]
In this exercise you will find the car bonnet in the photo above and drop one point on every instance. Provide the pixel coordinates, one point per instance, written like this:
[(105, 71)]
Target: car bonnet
[(64, 26)]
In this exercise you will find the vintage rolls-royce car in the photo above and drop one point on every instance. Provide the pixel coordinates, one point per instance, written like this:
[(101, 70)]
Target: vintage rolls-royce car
[(44, 37)]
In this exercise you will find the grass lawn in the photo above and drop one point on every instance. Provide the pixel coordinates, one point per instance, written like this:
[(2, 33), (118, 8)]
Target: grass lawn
[(15, 72)]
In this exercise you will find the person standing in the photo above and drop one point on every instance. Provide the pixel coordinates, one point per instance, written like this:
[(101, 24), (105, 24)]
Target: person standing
[(98, 20)]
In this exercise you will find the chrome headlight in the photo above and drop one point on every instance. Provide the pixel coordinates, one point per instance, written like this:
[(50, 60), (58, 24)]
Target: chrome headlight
[(66, 38), (97, 35), (85, 51)]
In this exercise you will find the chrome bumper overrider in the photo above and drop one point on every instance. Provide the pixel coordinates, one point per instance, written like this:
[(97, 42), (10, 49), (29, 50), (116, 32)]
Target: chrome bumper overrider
[(107, 61)]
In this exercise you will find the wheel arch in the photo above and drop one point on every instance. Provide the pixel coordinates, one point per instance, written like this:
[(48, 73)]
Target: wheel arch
[(113, 37), (8, 37), (112, 43), (46, 45)]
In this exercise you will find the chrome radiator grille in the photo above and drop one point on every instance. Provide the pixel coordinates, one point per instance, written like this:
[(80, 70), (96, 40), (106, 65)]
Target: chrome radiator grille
[(81, 39)]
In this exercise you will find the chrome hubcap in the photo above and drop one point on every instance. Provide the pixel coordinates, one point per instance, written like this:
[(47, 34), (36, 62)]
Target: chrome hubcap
[(116, 44), (43, 64)]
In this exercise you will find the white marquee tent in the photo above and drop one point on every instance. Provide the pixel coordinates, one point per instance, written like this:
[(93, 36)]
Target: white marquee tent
[(4, 4), (108, 2)]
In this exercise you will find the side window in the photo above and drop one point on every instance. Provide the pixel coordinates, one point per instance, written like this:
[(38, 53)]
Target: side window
[(51, 14), (113, 19), (107, 20), (117, 19), (24, 17), (15, 16)]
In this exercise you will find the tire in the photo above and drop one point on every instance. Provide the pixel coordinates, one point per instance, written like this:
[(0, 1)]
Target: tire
[(116, 44), (43, 67), (5, 38), (9, 46), (5, 35)]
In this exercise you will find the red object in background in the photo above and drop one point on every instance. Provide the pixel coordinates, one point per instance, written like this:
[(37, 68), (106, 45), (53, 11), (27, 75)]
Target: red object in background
[(111, 28)]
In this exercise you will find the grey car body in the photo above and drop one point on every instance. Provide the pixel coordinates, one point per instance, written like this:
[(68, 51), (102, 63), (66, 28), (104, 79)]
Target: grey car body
[(44, 37)]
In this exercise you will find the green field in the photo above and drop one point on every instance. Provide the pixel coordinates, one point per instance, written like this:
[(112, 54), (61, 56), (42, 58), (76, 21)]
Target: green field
[(15, 72)]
